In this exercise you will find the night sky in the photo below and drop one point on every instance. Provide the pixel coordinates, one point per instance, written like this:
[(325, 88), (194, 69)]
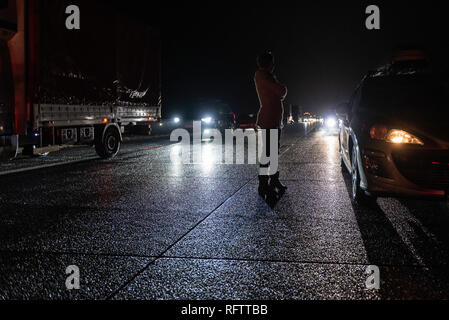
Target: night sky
[(322, 48)]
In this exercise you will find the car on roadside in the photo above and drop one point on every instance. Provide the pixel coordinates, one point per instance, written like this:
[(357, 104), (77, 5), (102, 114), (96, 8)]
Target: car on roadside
[(306, 118), (247, 121), (329, 123), (217, 119), (394, 134), (213, 115)]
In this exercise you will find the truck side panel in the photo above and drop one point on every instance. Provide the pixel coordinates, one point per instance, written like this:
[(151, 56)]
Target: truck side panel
[(17, 50), (110, 60), (59, 81), (8, 31)]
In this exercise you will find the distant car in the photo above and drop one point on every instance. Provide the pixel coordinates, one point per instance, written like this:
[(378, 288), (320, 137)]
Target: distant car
[(394, 137), (227, 120), (221, 120), (247, 121), (307, 119), (329, 123), (218, 117)]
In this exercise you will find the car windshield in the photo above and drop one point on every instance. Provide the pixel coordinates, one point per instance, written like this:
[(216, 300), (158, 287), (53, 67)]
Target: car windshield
[(418, 96)]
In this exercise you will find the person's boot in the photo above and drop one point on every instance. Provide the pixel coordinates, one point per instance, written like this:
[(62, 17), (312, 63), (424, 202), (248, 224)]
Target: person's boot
[(264, 186), (276, 183)]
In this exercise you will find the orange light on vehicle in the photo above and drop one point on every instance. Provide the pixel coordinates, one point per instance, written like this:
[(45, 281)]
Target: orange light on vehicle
[(150, 119), (402, 137), (1, 128), (397, 140), (105, 120)]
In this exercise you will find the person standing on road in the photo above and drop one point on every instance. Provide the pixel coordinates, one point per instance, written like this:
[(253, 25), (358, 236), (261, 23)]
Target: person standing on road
[(271, 96)]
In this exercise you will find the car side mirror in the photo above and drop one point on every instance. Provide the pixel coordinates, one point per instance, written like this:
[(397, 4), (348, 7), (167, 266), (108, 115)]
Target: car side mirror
[(343, 110)]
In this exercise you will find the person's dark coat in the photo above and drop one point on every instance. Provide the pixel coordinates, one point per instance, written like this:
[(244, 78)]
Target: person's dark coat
[(271, 95)]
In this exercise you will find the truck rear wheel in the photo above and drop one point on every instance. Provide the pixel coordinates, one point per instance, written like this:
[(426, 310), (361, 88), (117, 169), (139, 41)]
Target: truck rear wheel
[(108, 143)]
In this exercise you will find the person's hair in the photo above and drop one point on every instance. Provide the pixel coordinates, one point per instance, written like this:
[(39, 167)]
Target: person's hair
[(265, 60)]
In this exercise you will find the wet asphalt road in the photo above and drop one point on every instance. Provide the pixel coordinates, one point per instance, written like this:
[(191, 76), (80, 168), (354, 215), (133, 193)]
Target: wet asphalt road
[(141, 227)]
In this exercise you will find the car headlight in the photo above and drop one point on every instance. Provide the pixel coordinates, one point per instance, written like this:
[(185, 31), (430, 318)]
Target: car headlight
[(176, 120), (207, 120), (402, 137), (331, 122), (396, 136)]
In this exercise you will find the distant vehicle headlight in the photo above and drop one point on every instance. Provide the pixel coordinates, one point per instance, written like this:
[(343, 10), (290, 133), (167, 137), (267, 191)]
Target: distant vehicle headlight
[(207, 120), (176, 120), (402, 137), (331, 122)]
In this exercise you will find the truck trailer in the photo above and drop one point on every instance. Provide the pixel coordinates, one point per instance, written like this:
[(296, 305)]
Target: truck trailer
[(84, 85)]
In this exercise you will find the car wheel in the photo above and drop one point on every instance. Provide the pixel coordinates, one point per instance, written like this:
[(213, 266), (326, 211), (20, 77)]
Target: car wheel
[(357, 194), (342, 163), (344, 169)]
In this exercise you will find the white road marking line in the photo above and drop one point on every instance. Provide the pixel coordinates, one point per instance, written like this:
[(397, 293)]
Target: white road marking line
[(45, 166)]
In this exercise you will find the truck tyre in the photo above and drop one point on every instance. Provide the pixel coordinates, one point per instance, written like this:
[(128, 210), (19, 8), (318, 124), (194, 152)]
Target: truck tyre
[(108, 143)]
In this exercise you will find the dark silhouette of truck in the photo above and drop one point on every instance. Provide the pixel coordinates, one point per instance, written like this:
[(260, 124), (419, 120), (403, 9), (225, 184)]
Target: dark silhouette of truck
[(74, 86)]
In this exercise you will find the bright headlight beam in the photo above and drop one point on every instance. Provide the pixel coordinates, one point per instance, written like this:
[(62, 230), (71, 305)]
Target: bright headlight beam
[(176, 120), (402, 137), (207, 120), (331, 122)]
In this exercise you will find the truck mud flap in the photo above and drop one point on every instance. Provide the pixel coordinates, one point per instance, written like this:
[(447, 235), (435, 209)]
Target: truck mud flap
[(9, 147)]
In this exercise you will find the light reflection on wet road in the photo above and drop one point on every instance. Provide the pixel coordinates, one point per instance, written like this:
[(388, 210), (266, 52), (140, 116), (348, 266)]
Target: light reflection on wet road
[(141, 227)]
